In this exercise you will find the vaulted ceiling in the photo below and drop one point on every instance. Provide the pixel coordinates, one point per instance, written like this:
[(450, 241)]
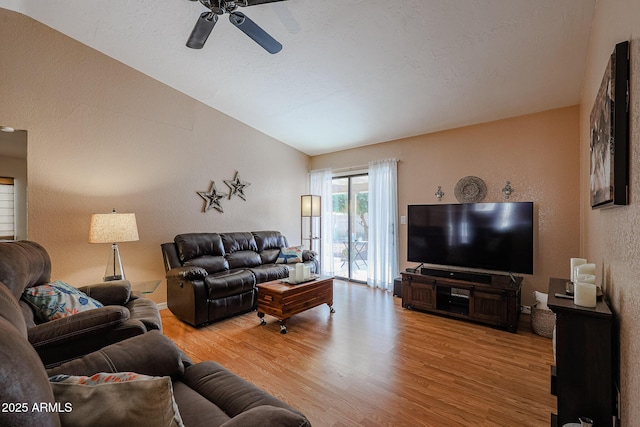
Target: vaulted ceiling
[(351, 72)]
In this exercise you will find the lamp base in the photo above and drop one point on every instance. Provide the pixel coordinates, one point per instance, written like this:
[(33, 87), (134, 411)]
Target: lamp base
[(114, 269)]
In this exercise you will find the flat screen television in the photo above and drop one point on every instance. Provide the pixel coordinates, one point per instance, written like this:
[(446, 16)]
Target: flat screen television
[(488, 236)]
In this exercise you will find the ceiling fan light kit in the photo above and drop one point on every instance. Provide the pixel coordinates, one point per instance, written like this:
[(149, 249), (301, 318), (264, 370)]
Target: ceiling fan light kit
[(207, 20)]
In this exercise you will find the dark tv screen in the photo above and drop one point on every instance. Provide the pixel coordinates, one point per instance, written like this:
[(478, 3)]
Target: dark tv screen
[(487, 236)]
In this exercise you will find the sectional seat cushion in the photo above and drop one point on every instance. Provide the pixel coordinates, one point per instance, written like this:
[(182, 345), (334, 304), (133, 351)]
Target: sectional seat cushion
[(57, 300)]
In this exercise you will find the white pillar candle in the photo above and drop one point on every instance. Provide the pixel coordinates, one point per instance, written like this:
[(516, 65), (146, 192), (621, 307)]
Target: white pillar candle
[(307, 272), (299, 272), (586, 278), (574, 263), (586, 269), (584, 294)]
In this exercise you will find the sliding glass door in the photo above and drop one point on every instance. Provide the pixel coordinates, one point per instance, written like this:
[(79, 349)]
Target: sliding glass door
[(350, 226)]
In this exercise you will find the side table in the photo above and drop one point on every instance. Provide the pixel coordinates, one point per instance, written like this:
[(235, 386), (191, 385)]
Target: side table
[(146, 287)]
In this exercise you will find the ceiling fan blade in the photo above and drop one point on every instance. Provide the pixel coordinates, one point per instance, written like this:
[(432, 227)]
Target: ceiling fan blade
[(252, 29), (245, 3), (202, 29)]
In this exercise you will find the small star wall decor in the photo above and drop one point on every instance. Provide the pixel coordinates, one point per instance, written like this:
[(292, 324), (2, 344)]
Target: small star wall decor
[(237, 186), (212, 198)]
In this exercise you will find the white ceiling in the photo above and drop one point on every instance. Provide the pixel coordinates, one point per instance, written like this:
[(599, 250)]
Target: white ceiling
[(351, 72)]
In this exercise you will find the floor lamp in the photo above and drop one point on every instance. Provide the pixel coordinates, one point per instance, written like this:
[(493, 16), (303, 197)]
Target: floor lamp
[(113, 228), (310, 224)]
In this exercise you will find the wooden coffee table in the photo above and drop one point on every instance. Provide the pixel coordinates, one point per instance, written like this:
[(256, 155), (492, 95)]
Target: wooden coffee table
[(282, 300)]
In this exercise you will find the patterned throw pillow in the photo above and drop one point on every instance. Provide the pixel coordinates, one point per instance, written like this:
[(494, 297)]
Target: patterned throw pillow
[(57, 300), (290, 255), (123, 398)]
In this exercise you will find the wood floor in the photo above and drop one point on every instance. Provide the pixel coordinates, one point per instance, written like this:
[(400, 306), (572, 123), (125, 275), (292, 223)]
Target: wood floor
[(373, 363)]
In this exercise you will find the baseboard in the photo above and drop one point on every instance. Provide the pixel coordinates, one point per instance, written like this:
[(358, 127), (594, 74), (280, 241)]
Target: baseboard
[(162, 305)]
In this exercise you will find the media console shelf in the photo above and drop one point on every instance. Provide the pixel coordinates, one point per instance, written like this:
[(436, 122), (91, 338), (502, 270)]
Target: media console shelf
[(487, 298), (582, 378)]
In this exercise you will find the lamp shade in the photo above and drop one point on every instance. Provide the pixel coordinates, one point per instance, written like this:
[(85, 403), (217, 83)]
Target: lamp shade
[(113, 228), (310, 206)]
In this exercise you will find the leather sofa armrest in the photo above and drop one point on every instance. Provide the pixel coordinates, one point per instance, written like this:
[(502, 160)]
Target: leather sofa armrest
[(311, 257), (308, 255), (267, 415), (187, 273), (148, 354), (117, 292), (146, 311), (83, 324)]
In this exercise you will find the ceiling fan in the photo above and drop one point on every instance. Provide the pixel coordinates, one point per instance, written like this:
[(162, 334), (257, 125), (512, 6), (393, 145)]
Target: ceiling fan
[(217, 8)]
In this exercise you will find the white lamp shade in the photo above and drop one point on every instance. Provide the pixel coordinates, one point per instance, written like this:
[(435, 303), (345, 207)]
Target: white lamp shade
[(310, 206), (113, 228)]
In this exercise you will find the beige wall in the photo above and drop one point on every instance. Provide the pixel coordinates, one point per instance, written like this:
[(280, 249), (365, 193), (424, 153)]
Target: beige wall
[(611, 238), (538, 153), (102, 136)]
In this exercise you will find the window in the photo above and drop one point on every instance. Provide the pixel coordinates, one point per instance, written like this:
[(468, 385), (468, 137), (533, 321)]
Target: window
[(7, 209)]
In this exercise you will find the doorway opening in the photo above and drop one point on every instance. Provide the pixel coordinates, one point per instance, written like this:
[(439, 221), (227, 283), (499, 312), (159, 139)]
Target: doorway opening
[(349, 220)]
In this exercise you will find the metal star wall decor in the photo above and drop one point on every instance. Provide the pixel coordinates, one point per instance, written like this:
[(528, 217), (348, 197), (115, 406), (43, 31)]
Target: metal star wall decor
[(212, 198), (237, 186)]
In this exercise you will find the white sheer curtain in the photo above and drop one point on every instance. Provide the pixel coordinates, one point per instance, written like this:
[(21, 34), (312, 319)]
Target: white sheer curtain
[(320, 184), (382, 258)]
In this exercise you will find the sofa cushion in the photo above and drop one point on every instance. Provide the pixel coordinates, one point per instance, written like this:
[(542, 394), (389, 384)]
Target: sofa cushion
[(267, 272), (234, 242), (232, 282), (194, 245), (226, 390), (23, 264), (10, 310), (243, 259), (130, 355), (91, 400), (197, 410), (269, 240), (57, 300), (23, 380)]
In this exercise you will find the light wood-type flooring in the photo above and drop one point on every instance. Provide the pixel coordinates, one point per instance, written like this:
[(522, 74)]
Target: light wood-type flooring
[(373, 363)]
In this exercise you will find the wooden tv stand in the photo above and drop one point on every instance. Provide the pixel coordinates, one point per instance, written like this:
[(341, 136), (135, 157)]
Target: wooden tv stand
[(487, 298)]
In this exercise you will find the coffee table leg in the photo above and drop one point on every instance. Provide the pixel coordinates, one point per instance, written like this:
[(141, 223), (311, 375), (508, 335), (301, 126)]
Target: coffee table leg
[(283, 326), (261, 316)]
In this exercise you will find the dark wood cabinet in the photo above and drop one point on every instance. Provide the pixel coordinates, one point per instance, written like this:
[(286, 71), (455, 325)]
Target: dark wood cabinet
[(495, 302), (582, 379)]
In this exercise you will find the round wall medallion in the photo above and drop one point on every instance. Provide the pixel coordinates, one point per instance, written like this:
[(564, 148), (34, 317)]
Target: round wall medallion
[(470, 189)]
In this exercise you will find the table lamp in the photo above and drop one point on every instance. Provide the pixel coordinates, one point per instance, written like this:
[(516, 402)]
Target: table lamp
[(113, 228)]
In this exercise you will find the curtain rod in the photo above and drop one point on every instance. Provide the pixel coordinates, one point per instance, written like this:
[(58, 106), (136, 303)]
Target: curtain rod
[(348, 168)]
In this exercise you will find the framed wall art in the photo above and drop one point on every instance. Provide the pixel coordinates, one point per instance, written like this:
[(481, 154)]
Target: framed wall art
[(609, 126)]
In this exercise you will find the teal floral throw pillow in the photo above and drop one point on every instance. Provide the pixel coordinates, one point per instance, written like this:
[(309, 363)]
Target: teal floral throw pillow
[(57, 300), (291, 255)]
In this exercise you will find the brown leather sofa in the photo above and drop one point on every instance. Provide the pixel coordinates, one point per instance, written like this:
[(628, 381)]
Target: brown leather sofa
[(205, 394), (212, 276), (25, 264)]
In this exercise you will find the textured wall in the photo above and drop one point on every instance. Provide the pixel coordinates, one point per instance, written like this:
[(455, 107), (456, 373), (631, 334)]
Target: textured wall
[(538, 153), (102, 135), (611, 238)]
